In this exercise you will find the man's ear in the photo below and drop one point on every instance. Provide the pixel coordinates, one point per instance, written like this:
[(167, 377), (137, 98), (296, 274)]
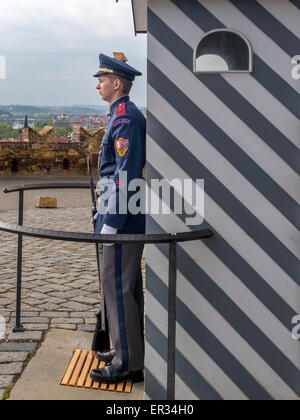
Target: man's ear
[(117, 84)]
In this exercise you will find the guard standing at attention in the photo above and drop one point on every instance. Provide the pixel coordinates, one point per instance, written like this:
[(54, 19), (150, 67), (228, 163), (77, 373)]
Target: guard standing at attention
[(123, 157)]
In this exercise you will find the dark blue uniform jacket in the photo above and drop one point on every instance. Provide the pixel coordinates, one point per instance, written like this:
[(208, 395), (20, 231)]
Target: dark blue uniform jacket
[(123, 149)]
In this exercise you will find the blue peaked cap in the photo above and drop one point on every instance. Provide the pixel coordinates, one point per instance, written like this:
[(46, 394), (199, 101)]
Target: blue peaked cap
[(109, 65)]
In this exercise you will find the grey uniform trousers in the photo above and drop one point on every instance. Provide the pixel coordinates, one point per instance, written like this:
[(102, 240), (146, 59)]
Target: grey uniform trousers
[(124, 301)]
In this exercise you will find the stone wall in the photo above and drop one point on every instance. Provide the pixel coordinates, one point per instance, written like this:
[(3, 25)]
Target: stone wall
[(38, 155)]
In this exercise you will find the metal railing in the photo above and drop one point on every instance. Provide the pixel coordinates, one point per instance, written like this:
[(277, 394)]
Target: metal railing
[(171, 239)]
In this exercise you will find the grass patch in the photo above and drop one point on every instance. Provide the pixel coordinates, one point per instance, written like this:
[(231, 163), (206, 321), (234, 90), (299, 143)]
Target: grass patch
[(6, 394)]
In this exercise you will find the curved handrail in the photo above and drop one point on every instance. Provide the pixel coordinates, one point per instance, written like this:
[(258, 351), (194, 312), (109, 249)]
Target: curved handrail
[(93, 238), (96, 238), (54, 186)]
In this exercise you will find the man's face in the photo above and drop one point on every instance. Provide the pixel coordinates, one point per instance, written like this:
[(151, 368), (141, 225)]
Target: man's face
[(106, 88)]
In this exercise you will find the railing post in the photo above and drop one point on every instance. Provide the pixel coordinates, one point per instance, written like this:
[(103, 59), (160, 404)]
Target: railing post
[(172, 320), (19, 327)]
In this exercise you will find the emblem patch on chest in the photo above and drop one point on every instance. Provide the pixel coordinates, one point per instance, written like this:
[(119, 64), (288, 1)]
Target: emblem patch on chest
[(122, 146)]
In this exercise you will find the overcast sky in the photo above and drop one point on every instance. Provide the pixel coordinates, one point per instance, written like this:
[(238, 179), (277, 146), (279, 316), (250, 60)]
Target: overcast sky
[(52, 49)]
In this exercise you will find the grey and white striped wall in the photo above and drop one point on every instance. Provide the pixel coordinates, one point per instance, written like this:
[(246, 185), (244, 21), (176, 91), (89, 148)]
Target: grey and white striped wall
[(239, 291)]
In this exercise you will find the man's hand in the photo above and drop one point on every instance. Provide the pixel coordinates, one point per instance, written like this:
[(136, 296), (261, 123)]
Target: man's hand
[(108, 230)]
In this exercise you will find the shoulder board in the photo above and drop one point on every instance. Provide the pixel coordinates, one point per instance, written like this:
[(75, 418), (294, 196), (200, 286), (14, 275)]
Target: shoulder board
[(121, 109), (121, 121)]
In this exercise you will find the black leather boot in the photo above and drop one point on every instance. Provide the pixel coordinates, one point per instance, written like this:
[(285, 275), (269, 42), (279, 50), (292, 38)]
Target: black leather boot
[(105, 356), (111, 374)]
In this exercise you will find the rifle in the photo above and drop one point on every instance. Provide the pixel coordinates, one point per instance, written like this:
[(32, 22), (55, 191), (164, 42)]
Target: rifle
[(101, 340)]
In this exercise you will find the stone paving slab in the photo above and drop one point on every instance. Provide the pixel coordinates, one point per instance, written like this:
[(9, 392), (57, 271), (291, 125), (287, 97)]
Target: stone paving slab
[(67, 321), (12, 347), (6, 381), (54, 314), (88, 328), (11, 368), (13, 357), (36, 327), (25, 336), (71, 327), (33, 320)]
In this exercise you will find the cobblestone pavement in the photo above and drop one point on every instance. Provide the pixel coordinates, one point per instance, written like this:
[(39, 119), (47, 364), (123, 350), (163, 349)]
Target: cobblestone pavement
[(60, 288), (65, 198)]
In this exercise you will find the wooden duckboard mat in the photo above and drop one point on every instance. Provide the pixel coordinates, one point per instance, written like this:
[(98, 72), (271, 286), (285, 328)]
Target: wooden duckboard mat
[(78, 373)]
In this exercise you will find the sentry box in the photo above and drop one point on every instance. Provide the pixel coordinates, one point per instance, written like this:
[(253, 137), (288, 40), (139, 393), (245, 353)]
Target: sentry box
[(223, 107)]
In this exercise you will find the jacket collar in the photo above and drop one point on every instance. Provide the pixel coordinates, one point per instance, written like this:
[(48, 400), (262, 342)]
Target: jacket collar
[(114, 105)]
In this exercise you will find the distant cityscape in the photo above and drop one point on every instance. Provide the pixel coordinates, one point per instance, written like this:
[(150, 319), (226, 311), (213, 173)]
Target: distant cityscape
[(12, 120)]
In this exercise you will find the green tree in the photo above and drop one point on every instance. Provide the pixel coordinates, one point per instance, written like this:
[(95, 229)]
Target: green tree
[(6, 130), (43, 116), (61, 131), (38, 125)]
